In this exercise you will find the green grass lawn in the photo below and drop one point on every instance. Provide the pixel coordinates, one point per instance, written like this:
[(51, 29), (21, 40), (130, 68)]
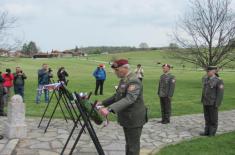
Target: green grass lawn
[(219, 145), (187, 95)]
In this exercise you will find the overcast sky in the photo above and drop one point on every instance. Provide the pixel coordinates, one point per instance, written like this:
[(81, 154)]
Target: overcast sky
[(63, 24)]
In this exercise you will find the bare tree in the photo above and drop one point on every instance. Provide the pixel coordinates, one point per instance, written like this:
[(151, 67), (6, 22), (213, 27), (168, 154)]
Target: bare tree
[(206, 33), (6, 24), (143, 45)]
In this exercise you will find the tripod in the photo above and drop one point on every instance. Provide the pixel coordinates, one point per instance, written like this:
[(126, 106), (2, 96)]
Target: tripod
[(87, 125), (61, 101)]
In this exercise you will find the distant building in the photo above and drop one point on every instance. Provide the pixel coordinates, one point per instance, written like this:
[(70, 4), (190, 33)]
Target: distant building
[(42, 55), (105, 53), (59, 54), (67, 53), (56, 53), (4, 53)]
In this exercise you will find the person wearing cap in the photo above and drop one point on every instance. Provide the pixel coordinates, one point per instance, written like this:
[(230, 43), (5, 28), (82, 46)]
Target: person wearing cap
[(165, 92), (100, 76), (8, 83), (212, 96), (128, 104), (139, 72)]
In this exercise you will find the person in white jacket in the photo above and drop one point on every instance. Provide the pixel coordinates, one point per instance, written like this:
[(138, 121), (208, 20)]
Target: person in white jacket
[(139, 72)]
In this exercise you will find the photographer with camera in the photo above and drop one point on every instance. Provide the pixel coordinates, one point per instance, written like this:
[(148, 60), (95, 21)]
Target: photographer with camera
[(44, 78), (62, 74), (18, 82), (8, 78)]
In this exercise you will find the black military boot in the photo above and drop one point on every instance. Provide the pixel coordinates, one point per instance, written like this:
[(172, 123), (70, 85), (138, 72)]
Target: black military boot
[(212, 132), (3, 114), (205, 133), (165, 121)]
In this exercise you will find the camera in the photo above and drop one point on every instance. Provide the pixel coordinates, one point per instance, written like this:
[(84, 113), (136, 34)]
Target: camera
[(49, 69)]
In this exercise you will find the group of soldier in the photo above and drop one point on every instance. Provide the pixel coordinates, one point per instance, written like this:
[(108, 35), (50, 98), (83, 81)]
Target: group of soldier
[(128, 102)]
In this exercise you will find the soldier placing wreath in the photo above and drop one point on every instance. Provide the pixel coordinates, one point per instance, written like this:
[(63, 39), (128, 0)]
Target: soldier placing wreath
[(128, 104)]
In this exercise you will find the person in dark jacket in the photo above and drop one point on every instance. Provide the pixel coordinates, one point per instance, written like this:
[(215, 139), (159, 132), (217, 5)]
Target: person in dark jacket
[(19, 78), (62, 74), (2, 93), (1, 99), (2, 113), (44, 76), (100, 76)]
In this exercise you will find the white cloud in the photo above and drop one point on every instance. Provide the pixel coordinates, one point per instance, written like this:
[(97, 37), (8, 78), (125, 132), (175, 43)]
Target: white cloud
[(20, 9), (63, 24)]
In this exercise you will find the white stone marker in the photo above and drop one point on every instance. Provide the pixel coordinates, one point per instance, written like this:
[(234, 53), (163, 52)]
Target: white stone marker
[(15, 126)]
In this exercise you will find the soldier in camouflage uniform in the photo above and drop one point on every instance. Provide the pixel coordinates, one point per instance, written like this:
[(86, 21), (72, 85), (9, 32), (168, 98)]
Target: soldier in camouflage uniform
[(212, 96), (128, 104), (165, 92)]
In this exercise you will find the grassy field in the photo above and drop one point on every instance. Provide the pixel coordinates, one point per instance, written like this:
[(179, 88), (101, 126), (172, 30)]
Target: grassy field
[(186, 99), (219, 145)]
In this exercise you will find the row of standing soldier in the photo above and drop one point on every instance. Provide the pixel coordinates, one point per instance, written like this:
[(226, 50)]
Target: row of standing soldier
[(212, 96)]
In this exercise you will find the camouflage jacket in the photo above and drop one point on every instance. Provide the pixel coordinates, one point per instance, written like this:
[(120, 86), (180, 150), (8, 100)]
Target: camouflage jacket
[(213, 91), (166, 85), (128, 102)]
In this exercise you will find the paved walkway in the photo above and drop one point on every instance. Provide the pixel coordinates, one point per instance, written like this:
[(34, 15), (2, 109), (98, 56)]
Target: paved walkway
[(154, 135)]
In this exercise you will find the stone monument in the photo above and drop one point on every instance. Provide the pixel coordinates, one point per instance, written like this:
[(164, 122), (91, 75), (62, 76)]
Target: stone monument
[(15, 126)]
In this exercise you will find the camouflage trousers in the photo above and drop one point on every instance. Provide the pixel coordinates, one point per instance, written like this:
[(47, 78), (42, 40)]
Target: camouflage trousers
[(132, 136), (165, 108), (211, 119)]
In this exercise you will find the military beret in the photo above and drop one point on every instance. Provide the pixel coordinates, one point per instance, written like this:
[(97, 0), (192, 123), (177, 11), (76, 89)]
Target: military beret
[(166, 65), (119, 63), (209, 68)]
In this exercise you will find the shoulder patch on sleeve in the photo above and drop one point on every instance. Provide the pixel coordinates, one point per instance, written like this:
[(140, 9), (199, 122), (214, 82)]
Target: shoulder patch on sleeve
[(131, 87), (221, 86)]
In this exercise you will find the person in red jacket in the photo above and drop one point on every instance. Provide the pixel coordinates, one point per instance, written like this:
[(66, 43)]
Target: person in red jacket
[(8, 78)]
